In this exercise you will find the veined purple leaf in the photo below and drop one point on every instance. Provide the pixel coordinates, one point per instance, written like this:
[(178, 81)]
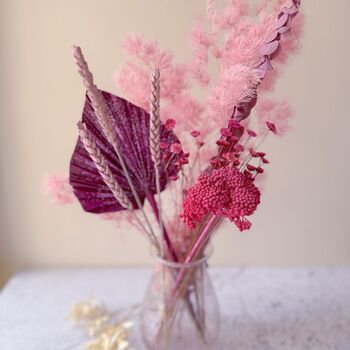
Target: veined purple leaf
[(131, 125)]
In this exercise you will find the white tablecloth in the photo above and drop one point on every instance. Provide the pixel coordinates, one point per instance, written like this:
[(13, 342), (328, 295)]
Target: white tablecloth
[(262, 309)]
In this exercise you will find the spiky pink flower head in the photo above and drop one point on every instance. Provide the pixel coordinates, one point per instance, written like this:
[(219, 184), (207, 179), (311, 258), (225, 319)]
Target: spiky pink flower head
[(225, 192), (170, 124)]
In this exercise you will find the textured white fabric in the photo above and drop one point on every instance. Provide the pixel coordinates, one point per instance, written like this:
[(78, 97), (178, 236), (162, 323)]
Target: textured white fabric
[(262, 309)]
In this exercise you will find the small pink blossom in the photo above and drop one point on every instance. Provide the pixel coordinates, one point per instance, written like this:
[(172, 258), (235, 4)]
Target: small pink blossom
[(253, 153), (225, 132), (239, 148), (251, 133), (195, 133), (251, 167), (175, 148), (170, 124), (163, 145), (271, 127)]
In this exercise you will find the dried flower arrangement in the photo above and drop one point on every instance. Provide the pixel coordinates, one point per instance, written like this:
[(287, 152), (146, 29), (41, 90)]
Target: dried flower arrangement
[(129, 164)]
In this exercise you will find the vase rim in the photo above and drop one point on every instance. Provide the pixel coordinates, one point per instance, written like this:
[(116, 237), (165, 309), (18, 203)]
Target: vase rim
[(208, 252)]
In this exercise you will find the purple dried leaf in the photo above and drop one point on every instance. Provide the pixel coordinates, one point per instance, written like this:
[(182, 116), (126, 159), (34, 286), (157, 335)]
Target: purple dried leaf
[(132, 129)]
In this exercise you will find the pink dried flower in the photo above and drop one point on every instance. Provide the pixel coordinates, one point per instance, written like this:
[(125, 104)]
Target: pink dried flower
[(170, 124), (253, 153), (239, 148), (276, 112), (195, 133), (225, 132), (163, 145), (271, 127), (175, 148), (251, 167), (252, 133), (234, 124), (225, 192)]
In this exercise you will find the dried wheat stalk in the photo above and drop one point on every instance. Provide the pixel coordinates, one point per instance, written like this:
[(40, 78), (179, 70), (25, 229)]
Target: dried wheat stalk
[(102, 166)]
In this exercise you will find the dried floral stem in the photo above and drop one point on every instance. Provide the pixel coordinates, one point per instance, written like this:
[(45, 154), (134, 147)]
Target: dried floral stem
[(154, 144), (104, 170), (103, 114)]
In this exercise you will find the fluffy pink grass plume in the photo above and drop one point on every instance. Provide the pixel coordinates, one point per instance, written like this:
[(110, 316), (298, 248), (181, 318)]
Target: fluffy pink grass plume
[(59, 188), (236, 85)]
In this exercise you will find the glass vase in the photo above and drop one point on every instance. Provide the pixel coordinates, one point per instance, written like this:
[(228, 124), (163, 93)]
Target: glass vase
[(180, 309)]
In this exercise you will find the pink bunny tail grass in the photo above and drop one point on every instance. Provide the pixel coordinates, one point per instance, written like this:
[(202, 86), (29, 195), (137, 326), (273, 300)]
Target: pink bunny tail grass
[(57, 186), (236, 85), (102, 166)]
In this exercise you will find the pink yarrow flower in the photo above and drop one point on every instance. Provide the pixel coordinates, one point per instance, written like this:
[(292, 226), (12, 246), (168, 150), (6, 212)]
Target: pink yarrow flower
[(225, 192)]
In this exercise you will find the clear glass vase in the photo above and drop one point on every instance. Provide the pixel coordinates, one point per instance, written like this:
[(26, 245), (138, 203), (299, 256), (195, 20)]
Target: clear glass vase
[(180, 309)]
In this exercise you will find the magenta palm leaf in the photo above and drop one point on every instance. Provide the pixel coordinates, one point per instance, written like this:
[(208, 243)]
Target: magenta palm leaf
[(131, 125)]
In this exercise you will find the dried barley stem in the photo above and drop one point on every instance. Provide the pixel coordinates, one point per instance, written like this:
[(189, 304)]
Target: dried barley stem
[(154, 143), (103, 114), (102, 166)]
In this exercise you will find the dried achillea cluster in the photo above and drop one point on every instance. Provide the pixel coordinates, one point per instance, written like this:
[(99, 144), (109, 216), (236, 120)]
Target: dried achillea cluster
[(225, 192)]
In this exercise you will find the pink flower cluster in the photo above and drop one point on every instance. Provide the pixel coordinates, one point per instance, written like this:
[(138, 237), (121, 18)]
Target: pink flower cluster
[(225, 192)]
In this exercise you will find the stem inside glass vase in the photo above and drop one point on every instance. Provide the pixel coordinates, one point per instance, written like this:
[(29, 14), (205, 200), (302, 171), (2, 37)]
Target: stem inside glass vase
[(180, 315)]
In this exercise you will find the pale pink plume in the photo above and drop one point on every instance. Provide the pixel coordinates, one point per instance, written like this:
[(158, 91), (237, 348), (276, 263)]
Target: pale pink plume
[(59, 188), (236, 85)]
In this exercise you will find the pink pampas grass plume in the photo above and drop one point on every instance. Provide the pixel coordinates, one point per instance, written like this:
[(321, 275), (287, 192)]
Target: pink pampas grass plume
[(236, 85), (57, 186)]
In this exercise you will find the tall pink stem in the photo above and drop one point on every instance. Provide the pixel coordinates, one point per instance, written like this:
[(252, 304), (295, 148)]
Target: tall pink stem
[(203, 237)]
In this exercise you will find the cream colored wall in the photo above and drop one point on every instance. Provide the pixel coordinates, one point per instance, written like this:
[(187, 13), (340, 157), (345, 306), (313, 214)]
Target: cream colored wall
[(304, 217)]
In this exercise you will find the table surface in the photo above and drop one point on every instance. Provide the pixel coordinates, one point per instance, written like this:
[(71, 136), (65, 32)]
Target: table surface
[(261, 308)]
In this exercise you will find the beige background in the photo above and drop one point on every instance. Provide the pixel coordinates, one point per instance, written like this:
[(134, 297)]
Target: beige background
[(304, 217)]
